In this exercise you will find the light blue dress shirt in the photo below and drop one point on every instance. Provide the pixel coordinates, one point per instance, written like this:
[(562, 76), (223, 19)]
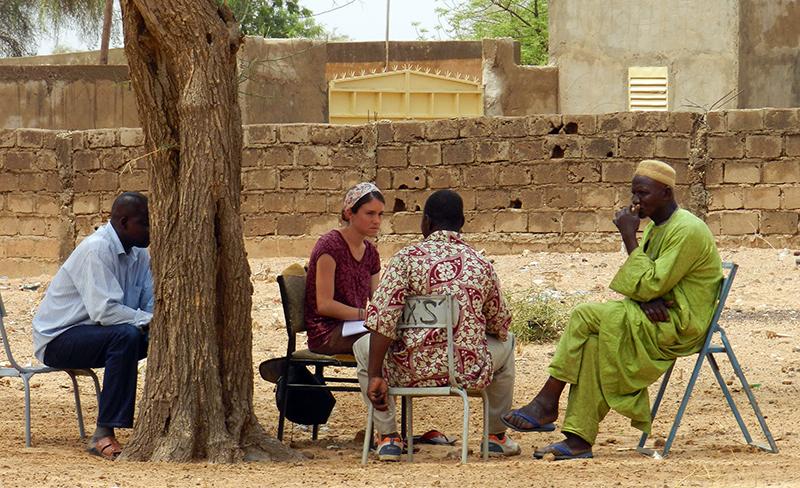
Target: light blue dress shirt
[(99, 284)]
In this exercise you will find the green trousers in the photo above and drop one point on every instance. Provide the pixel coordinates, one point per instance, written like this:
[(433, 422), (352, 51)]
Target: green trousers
[(577, 362)]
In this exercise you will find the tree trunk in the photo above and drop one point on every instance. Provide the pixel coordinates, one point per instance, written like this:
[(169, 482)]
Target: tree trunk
[(106, 36), (198, 392)]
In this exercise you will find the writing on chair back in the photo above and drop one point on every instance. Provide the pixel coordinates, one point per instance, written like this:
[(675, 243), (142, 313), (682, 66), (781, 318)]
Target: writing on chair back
[(433, 312)]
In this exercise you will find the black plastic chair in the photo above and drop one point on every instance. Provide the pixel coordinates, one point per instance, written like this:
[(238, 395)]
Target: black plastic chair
[(292, 284)]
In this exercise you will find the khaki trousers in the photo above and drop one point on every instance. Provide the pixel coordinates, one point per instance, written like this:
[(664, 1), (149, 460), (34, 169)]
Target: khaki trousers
[(500, 390)]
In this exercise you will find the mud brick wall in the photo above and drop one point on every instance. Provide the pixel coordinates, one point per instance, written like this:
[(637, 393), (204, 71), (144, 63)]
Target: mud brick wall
[(753, 179), (103, 163), (539, 182), (32, 227), (57, 187)]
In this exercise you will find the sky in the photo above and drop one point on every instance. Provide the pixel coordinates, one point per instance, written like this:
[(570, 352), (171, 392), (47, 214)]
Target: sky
[(360, 20)]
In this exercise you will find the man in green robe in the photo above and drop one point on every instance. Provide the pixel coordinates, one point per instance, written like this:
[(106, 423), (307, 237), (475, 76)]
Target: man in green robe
[(611, 352)]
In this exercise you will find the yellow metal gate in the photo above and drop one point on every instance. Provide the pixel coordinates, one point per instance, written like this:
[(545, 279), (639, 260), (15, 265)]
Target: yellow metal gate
[(403, 94)]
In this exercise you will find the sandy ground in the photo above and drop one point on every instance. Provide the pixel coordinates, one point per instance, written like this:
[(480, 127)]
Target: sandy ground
[(761, 322)]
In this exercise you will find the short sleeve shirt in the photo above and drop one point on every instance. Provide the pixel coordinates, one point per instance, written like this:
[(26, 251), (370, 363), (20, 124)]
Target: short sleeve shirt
[(441, 264), (352, 280)]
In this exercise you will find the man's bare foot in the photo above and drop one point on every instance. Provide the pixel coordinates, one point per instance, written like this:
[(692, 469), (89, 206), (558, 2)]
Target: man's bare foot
[(537, 415)]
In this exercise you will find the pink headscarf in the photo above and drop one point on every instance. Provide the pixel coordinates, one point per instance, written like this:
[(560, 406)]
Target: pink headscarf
[(358, 191)]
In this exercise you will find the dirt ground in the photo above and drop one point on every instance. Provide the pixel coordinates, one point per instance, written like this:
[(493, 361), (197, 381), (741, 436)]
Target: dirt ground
[(709, 451)]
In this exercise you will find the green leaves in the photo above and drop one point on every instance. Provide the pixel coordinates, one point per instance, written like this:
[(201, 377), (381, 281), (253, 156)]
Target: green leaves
[(17, 28), (23, 21), (85, 15), (523, 20), (275, 18)]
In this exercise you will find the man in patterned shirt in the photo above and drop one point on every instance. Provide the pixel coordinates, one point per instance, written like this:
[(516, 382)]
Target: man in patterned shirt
[(484, 349)]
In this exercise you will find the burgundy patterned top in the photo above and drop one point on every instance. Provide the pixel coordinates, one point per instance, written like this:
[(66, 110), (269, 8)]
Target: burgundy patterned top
[(351, 282), (441, 264)]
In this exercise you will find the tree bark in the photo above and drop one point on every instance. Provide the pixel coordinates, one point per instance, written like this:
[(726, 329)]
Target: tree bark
[(105, 38), (198, 392)]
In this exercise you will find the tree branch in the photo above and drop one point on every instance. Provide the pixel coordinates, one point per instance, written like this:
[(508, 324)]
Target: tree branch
[(508, 9)]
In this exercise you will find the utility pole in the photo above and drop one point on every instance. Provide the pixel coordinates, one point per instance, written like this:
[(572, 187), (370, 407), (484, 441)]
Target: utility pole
[(106, 36), (386, 47)]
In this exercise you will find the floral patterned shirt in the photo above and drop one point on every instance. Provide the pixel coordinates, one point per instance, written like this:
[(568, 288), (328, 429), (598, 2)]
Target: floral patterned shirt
[(442, 264)]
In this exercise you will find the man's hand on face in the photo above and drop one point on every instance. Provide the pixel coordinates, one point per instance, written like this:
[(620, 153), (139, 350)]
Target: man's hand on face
[(657, 310), (377, 392), (627, 220)]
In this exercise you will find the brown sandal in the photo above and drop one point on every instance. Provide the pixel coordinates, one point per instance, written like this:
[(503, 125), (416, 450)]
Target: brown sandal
[(106, 448)]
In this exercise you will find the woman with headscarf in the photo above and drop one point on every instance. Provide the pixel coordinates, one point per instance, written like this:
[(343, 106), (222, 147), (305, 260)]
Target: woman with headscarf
[(343, 272)]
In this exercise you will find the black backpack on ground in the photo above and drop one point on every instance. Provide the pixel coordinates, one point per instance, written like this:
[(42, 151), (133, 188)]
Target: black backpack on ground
[(304, 406)]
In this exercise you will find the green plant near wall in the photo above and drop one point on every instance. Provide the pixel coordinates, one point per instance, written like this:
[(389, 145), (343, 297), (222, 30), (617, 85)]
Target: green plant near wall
[(539, 316)]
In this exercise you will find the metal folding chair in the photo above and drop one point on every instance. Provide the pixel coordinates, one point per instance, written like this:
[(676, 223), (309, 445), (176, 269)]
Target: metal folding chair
[(444, 310), (25, 373), (707, 352)]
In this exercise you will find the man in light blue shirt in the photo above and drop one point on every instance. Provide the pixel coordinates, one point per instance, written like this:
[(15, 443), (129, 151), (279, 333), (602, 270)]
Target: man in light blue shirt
[(96, 314)]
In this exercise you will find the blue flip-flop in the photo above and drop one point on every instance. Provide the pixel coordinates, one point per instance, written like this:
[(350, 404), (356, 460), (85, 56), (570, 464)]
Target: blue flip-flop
[(562, 452), (550, 427)]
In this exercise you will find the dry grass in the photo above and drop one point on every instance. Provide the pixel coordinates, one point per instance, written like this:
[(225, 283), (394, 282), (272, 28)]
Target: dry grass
[(539, 316)]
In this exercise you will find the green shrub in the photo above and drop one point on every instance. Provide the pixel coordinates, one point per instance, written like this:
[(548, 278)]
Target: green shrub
[(539, 316)]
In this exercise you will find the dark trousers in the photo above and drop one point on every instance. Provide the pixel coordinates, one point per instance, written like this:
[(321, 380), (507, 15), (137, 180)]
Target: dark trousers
[(118, 349)]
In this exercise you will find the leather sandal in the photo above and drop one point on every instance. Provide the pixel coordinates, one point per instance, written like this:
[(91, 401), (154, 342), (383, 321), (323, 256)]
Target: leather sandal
[(106, 448)]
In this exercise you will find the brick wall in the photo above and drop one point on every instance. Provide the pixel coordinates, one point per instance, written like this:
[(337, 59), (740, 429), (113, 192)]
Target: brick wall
[(31, 201), (539, 182), (753, 179)]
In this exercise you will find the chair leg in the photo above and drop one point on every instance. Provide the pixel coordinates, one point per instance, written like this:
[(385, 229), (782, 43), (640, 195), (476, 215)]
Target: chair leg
[(729, 398), (78, 409), (485, 440), (685, 401), (403, 417), (409, 401), (282, 410), (657, 403), (773, 447), (319, 372), (367, 436), (27, 387), (96, 385), (465, 433)]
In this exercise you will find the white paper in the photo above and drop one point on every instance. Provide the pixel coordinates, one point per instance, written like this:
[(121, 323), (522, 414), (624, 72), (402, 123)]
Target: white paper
[(353, 327)]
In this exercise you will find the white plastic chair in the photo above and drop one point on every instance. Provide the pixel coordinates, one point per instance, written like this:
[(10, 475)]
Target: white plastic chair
[(27, 372), (433, 312)]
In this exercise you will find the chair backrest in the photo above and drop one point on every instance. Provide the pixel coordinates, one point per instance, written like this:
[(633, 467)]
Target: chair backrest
[(4, 337), (724, 289), (433, 312), (292, 285)]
